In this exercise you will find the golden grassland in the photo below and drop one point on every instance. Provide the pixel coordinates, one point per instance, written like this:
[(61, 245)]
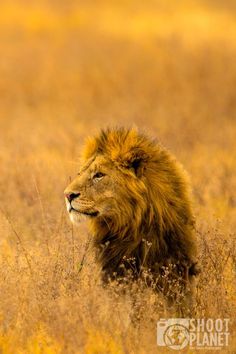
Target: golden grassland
[(67, 69)]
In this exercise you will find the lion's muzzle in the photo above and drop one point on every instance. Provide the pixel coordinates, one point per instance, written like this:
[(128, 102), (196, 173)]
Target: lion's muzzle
[(75, 203)]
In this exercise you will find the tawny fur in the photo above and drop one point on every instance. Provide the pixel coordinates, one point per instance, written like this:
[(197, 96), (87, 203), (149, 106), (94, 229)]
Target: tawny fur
[(138, 201)]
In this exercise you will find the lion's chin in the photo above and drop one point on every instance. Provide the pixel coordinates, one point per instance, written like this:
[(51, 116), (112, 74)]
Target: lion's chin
[(77, 217)]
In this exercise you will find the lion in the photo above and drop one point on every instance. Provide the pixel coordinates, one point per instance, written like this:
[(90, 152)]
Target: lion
[(136, 197)]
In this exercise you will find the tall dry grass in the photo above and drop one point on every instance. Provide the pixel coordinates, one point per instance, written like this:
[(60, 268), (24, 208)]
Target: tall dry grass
[(67, 69)]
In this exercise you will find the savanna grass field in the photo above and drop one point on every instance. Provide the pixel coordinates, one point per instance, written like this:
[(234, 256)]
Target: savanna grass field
[(67, 69)]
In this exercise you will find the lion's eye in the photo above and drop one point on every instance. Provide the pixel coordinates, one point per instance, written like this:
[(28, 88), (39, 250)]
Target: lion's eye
[(98, 175)]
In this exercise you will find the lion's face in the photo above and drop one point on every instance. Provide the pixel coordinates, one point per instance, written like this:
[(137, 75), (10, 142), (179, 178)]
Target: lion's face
[(103, 190)]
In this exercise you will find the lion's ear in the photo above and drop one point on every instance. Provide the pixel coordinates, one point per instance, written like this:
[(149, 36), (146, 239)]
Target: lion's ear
[(137, 163), (137, 166)]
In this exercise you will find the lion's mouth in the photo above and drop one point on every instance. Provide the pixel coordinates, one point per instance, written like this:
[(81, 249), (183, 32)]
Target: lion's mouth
[(83, 212)]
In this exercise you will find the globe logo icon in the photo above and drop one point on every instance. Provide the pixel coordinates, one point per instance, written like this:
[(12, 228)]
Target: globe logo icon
[(176, 336)]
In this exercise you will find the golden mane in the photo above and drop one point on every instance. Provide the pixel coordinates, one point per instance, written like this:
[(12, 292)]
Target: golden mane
[(164, 178), (155, 225)]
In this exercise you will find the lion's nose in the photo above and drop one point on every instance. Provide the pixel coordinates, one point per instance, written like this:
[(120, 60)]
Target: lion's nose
[(71, 196)]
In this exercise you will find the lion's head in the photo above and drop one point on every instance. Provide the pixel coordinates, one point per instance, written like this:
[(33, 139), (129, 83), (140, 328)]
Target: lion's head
[(111, 184), (132, 189)]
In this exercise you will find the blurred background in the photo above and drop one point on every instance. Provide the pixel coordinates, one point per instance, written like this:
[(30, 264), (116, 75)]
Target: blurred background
[(67, 69)]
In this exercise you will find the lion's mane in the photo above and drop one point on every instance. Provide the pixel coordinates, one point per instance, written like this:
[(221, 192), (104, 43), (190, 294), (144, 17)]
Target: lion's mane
[(161, 229)]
